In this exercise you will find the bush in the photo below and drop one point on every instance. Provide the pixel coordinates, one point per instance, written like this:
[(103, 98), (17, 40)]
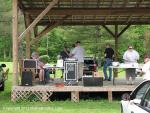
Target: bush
[(44, 58)]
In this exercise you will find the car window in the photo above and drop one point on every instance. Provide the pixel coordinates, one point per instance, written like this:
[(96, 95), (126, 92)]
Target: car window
[(146, 101), (141, 91)]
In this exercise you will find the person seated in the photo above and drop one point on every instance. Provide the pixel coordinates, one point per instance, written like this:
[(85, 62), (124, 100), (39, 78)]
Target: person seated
[(146, 68), (35, 56), (44, 59)]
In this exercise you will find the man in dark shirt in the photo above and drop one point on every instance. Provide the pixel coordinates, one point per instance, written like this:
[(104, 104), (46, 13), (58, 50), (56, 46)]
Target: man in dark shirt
[(65, 53), (109, 53)]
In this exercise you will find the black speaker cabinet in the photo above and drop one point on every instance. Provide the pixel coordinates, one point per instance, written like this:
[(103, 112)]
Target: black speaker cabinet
[(71, 70), (92, 81), (26, 78)]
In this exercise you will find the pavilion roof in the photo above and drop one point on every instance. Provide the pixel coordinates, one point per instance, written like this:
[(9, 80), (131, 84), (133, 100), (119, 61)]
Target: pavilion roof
[(90, 12)]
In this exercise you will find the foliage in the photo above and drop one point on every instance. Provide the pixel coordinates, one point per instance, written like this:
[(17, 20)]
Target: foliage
[(44, 58)]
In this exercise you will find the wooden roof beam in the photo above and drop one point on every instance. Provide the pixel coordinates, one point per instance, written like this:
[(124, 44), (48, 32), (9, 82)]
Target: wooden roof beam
[(65, 23), (39, 17), (92, 11)]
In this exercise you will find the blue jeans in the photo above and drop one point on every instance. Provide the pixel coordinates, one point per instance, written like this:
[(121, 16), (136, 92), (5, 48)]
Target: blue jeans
[(108, 62), (46, 75)]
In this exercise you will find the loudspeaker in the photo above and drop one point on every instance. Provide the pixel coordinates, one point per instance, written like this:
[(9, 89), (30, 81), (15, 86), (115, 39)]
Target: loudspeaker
[(92, 81), (71, 71), (29, 63), (26, 78)]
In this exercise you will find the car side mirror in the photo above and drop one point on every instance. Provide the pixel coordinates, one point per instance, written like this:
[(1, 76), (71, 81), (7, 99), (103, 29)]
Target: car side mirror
[(136, 101), (125, 97)]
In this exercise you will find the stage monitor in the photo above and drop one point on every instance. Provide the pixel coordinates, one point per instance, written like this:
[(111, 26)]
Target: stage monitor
[(29, 64)]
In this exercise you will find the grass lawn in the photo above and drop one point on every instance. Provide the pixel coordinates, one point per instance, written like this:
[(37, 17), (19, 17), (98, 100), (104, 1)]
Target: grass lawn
[(84, 106)]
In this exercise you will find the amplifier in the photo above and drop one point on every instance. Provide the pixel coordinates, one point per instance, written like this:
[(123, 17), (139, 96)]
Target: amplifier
[(92, 81), (26, 79)]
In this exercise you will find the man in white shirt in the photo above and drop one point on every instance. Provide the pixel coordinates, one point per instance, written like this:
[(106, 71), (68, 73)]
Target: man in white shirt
[(146, 68), (78, 53), (130, 56)]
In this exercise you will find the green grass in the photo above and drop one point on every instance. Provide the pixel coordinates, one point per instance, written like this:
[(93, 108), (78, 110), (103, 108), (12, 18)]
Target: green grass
[(84, 106)]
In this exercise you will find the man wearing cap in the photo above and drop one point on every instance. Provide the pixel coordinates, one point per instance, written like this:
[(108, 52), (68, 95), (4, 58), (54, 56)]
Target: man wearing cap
[(78, 53), (130, 56)]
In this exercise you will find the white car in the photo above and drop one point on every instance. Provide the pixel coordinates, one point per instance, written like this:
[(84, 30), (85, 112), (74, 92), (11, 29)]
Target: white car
[(138, 101)]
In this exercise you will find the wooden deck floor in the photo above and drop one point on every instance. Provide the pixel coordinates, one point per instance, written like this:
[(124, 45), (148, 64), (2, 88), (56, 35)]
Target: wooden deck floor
[(43, 92)]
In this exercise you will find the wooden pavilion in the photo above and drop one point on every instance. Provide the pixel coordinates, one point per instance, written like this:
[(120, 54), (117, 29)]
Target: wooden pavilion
[(52, 13)]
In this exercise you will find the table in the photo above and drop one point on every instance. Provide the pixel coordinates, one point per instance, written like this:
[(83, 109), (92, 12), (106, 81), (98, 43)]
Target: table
[(125, 66), (52, 68)]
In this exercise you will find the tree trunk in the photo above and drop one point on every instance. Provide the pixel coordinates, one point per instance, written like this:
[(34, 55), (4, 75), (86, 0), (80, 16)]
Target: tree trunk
[(4, 53), (10, 55)]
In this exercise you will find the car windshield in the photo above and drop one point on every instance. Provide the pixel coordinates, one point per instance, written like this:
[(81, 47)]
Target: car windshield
[(146, 101), (142, 91)]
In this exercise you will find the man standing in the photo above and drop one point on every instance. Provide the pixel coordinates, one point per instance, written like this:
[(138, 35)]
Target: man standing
[(109, 53), (78, 53), (65, 53), (130, 57)]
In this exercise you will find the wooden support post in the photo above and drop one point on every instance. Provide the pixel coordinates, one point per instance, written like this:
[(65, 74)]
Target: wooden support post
[(28, 35), (116, 42), (75, 96), (115, 71), (39, 17), (15, 40), (110, 96)]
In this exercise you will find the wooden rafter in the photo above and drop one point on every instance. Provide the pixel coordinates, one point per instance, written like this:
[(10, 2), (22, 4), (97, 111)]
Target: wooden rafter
[(92, 11), (124, 29), (80, 22), (39, 17), (45, 6), (109, 31), (48, 28)]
